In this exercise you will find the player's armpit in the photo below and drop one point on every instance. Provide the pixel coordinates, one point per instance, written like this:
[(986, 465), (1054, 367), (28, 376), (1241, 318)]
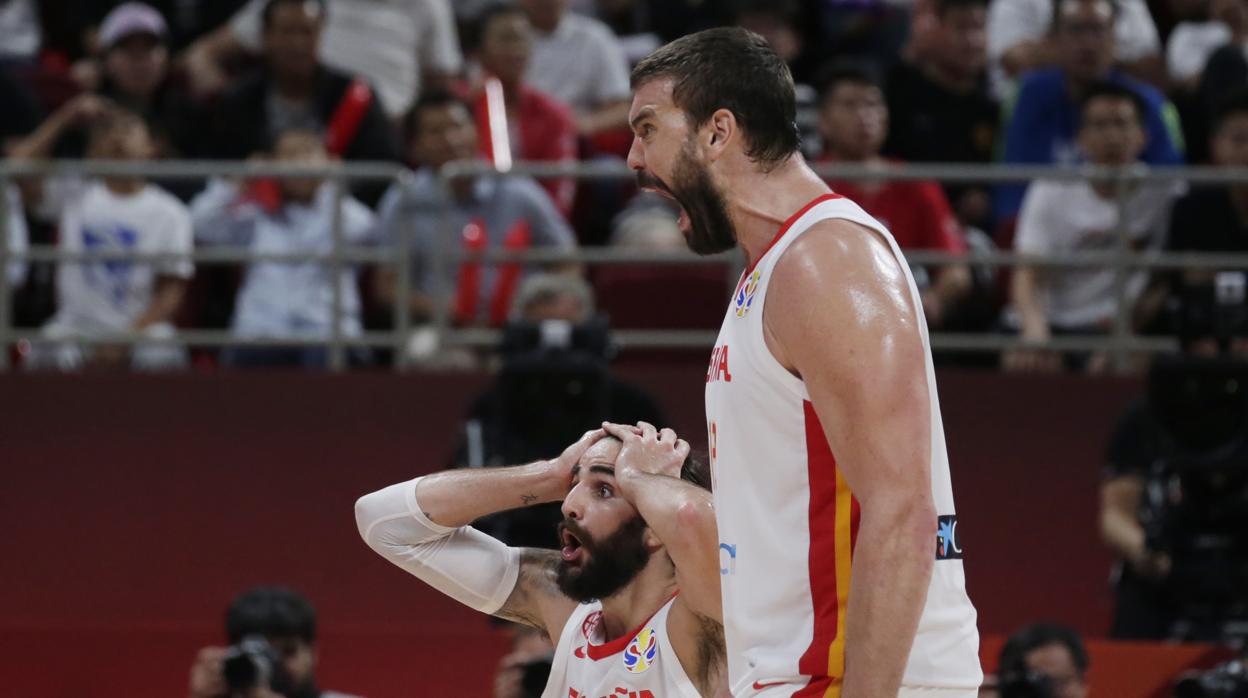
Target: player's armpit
[(536, 600), (699, 644)]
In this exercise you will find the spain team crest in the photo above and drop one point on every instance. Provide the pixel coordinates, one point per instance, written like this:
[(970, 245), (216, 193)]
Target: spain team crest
[(745, 294), (642, 652)]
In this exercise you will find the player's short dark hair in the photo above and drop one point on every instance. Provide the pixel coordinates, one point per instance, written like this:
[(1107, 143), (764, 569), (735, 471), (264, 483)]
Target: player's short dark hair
[(272, 612), (943, 6), (846, 73), (1111, 90), (270, 7), (1233, 103), (1013, 660), (474, 33), (432, 99), (734, 69)]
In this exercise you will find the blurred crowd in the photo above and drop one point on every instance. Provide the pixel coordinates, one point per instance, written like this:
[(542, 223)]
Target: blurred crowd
[(423, 82)]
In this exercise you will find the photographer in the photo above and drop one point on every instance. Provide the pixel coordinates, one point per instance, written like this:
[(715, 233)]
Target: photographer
[(272, 652), (1174, 501), (1043, 660)]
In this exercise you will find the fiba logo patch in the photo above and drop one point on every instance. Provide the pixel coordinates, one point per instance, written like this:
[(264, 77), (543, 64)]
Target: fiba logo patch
[(948, 547), (642, 652), (745, 294)]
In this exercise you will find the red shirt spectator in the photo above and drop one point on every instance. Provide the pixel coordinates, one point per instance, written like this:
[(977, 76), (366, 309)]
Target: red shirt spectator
[(916, 212), (539, 126)]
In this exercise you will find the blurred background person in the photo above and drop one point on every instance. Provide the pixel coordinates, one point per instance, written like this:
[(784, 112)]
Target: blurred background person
[(540, 128), (854, 121), (486, 213), (555, 378), (400, 47), (285, 300), (113, 214), (1041, 126), (273, 627), (1069, 216), (579, 61), (1022, 37), (1043, 660), (939, 104), (294, 90)]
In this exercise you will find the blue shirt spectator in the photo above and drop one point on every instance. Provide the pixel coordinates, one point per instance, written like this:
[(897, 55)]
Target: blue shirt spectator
[(1044, 119)]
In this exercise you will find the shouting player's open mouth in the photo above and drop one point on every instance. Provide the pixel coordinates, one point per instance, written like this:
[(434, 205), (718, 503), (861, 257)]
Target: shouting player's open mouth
[(650, 183)]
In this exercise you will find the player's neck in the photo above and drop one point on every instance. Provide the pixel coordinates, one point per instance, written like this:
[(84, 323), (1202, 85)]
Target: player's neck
[(633, 605), (760, 202)]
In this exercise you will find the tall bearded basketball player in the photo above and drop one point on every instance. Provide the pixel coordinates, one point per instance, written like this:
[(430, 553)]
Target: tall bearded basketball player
[(842, 572)]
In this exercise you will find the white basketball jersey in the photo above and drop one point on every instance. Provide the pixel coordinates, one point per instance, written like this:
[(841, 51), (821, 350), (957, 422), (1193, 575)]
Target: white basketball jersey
[(787, 520), (640, 664)]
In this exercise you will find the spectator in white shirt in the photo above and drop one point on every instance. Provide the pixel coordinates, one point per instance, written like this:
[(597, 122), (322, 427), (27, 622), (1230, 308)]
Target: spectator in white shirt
[(99, 298), (1191, 42), (281, 299), (579, 61), (400, 46), (1063, 217), (1020, 39)]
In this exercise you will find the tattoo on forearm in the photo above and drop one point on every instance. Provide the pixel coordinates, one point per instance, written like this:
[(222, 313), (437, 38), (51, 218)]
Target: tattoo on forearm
[(528, 498)]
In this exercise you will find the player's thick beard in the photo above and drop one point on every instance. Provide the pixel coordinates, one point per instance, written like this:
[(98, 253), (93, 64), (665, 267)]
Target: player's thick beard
[(610, 564), (711, 229)]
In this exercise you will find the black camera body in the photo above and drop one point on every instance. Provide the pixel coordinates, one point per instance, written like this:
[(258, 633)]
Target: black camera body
[(253, 663), (1227, 681)]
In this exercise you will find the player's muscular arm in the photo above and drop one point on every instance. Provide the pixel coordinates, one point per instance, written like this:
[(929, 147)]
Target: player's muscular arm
[(851, 332), (422, 526)]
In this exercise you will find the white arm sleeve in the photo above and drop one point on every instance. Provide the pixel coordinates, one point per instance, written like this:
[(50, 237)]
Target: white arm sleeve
[(463, 563)]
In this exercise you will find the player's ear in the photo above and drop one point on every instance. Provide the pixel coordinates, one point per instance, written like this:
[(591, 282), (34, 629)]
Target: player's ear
[(719, 130)]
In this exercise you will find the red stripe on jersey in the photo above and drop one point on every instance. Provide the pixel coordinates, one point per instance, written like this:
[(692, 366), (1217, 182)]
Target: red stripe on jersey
[(822, 556), (784, 228)]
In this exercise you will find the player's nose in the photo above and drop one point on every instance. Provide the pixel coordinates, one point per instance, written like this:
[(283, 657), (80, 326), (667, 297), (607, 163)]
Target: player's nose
[(571, 507), (636, 158)]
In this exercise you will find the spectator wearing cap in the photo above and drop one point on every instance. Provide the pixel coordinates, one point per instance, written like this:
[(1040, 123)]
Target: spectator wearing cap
[(294, 90), (134, 49), (400, 46), (853, 119), (939, 104), (579, 61), (539, 127), (134, 59), (1042, 121)]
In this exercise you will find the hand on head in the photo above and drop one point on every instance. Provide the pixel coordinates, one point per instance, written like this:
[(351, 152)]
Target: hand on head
[(648, 450)]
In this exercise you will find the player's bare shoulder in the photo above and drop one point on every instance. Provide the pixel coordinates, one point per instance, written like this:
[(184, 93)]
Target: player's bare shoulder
[(839, 282)]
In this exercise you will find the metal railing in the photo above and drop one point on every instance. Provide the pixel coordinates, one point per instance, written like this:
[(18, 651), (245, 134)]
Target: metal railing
[(1121, 343)]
